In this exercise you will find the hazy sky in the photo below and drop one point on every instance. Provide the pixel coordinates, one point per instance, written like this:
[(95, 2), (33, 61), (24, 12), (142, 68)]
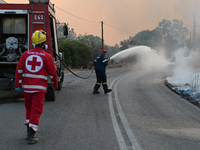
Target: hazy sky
[(132, 16)]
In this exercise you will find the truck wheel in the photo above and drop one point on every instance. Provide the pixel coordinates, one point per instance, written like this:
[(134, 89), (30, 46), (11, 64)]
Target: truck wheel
[(51, 93)]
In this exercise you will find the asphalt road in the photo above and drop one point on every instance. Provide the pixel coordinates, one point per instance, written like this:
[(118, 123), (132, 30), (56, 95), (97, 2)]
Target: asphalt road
[(141, 114)]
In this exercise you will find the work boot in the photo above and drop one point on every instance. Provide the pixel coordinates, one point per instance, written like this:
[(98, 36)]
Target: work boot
[(96, 91), (107, 91), (31, 137), (27, 125)]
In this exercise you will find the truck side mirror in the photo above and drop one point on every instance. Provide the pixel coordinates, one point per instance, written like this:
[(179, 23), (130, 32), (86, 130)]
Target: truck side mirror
[(65, 30)]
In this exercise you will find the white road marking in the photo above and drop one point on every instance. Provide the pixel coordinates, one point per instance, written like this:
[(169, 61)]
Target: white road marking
[(129, 132), (118, 133)]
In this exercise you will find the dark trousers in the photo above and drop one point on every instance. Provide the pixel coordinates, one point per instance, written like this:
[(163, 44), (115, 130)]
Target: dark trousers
[(101, 79)]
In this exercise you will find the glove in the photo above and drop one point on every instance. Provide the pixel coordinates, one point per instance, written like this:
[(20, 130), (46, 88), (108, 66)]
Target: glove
[(18, 89)]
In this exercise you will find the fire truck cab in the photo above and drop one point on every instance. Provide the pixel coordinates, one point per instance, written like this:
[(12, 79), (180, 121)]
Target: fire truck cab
[(17, 24)]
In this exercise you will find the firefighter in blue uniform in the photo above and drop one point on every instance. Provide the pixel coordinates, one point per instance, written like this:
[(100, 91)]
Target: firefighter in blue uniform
[(100, 69)]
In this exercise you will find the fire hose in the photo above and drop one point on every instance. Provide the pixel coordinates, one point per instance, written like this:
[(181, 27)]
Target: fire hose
[(71, 70)]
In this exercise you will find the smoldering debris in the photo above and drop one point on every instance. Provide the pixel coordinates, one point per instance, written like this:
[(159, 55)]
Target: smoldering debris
[(185, 92), (185, 79)]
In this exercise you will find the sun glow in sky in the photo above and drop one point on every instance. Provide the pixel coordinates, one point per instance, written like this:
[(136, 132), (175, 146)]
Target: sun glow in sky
[(127, 15)]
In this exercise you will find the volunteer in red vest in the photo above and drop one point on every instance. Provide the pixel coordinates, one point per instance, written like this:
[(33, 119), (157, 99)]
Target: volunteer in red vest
[(32, 72)]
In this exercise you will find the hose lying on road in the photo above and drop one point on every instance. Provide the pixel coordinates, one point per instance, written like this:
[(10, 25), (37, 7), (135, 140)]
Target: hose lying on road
[(71, 70)]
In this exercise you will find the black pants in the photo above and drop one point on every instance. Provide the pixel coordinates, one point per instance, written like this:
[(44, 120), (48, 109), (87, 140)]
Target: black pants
[(101, 79)]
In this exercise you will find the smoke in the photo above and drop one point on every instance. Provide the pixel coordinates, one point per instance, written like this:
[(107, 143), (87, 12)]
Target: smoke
[(186, 65), (143, 57)]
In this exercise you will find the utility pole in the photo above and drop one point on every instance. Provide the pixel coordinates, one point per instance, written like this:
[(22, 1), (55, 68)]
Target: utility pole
[(102, 32)]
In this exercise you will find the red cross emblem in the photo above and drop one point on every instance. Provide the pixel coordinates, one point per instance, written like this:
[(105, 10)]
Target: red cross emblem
[(34, 63)]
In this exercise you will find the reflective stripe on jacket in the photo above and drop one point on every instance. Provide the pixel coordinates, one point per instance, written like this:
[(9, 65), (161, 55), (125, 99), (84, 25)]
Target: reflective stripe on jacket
[(100, 62), (32, 70)]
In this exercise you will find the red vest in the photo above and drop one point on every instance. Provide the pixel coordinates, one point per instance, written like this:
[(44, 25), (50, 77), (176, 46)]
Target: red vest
[(33, 69)]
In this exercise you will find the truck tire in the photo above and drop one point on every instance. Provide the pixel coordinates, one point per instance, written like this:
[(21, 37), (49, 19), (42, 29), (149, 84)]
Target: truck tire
[(51, 93)]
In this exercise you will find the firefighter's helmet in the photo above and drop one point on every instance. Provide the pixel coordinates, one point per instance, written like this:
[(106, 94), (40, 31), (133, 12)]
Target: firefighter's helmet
[(38, 37), (103, 51)]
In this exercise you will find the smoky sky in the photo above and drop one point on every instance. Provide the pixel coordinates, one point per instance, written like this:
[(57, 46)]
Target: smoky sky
[(132, 16)]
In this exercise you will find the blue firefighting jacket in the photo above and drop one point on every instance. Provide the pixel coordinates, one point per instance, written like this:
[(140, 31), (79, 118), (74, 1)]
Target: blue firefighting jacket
[(100, 63)]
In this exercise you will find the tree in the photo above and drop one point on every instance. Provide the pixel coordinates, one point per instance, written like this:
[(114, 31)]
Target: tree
[(124, 44), (128, 43), (111, 50), (76, 54), (149, 38), (93, 42), (71, 33), (174, 35)]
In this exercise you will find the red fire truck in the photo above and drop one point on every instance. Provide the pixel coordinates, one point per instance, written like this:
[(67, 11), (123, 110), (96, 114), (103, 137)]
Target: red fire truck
[(17, 23)]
